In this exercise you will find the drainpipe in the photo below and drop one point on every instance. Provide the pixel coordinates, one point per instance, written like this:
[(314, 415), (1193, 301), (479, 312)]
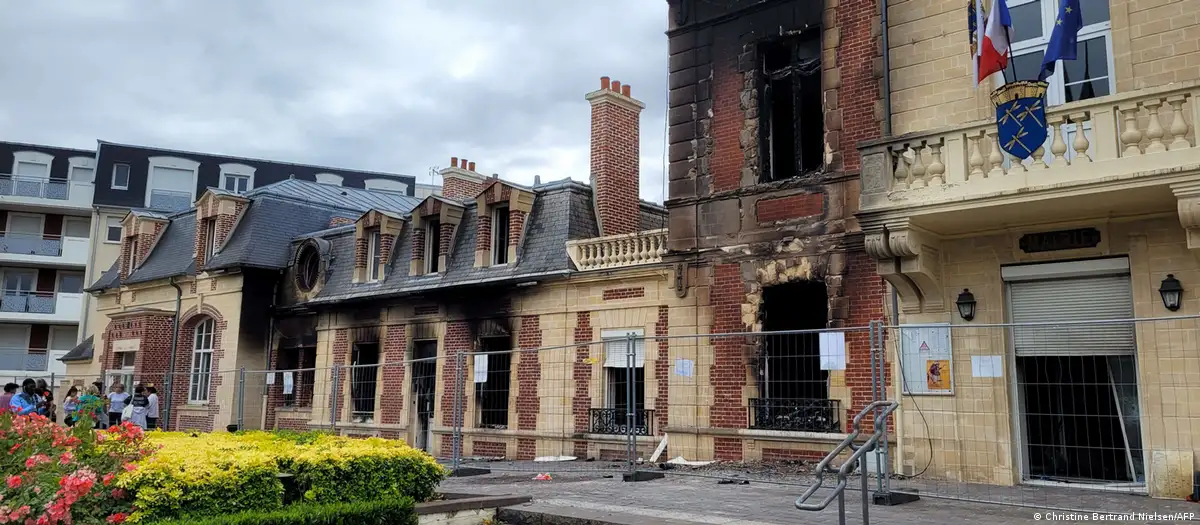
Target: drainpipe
[(171, 360), (886, 88)]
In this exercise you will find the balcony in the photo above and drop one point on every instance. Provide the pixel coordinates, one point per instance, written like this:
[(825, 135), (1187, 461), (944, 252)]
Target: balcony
[(43, 250), (1129, 153), (42, 193), (615, 421), (618, 251), (795, 415), (27, 306), (21, 361), (170, 200)]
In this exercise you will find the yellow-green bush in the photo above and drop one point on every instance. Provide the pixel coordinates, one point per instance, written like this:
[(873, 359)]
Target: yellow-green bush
[(209, 474)]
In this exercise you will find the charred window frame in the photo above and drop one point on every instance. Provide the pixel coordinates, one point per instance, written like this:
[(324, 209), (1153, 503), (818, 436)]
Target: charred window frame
[(791, 118), (493, 394), (433, 246)]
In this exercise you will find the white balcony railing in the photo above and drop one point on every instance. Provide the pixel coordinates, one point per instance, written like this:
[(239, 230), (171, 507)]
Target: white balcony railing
[(1141, 133), (170, 200), (25, 305), (617, 251), (40, 248), (47, 192)]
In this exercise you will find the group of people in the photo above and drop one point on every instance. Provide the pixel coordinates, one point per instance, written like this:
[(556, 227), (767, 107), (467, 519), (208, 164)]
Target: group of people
[(36, 397)]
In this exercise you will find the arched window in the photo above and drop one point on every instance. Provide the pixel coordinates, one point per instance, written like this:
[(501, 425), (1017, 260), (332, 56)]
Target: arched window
[(202, 350)]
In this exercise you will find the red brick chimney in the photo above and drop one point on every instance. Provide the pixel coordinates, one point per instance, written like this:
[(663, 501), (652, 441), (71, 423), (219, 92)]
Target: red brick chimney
[(460, 181), (614, 169)]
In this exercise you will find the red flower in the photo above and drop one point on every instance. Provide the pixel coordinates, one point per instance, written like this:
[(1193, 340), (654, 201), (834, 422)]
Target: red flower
[(108, 478), (65, 458), (130, 467), (14, 482), (119, 493), (14, 448), (35, 460), (118, 517)]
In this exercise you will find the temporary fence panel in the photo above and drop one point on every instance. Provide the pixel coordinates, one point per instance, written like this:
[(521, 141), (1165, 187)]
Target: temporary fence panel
[(983, 419)]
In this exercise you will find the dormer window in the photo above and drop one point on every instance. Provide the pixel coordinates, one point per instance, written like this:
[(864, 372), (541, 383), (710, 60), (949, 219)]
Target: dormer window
[(210, 239), (500, 228), (433, 246), (374, 257), (237, 183)]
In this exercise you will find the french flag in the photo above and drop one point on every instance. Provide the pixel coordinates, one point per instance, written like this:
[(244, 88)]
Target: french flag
[(992, 54)]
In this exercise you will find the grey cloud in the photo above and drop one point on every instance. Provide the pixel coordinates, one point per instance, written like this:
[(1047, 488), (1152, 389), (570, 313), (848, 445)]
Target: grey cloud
[(382, 85)]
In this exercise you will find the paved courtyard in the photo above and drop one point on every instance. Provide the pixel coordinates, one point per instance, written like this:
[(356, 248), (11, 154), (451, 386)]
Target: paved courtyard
[(700, 498)]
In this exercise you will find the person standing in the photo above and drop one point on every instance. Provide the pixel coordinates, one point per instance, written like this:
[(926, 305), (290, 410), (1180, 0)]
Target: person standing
[(90, 405), (71, 406), (26, 402), (10, 390), (152, 409), (140, 404), (116, 404)]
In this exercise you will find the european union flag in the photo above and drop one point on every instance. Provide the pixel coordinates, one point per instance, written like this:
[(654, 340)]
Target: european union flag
[(1065, 37)]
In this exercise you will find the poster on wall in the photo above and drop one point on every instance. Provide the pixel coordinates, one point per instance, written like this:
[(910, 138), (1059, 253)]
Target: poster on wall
[(926, 359)]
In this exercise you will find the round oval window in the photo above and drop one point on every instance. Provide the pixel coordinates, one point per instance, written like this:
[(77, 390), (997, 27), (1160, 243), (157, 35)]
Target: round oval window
[(308, 267)]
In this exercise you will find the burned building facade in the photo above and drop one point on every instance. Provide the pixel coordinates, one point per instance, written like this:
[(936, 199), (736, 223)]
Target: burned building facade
[(767, 101)]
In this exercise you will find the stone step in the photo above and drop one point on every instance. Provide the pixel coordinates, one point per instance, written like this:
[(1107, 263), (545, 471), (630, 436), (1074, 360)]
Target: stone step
[(541, 513)]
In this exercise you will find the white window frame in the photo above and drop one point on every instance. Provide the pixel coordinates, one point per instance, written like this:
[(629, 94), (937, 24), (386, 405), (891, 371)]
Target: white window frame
[(171, 163), (81, 163), (1056, 94), (210, 240), (374, 247), (12, 215), (58, 282), (128, 175), (84, 220), (620, 334), (430, 257), (108, 226), (233, 170), (496, 247), (200, 378), (32, 157), (390, 186), (329, 179)]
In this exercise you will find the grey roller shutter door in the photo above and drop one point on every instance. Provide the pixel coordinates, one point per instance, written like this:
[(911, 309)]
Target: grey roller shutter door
[(1078, 299)]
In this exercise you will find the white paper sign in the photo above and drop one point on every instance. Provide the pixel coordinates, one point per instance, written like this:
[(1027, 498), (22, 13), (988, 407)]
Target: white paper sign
[(287, 383), (833, 350), (481, 368), (987, 366), (270, 378), (685, 367)]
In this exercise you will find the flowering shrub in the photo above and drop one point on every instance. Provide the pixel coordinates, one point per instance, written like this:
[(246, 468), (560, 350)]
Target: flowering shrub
[(194, 475), (58, 475)]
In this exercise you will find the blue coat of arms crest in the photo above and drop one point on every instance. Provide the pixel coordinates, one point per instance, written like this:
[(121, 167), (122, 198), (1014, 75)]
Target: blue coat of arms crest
[(1021, 117)]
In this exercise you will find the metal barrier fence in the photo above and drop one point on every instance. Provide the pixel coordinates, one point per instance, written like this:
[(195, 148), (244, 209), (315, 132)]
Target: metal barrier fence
[(1015, 414), (1020, 413)]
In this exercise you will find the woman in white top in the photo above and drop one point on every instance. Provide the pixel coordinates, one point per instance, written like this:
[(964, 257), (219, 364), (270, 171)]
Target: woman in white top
[(116, 404), (152, 410)]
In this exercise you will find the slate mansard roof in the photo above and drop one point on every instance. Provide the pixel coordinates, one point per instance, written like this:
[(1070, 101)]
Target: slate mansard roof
[(562, 211), (282, 215), (277, 213)]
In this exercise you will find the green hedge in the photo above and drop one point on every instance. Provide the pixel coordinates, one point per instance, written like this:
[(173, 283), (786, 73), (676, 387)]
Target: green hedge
[(397, 511)]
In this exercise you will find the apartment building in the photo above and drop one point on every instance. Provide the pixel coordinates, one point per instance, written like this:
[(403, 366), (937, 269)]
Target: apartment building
[(45, 214), (1059, 288), (163, 181)]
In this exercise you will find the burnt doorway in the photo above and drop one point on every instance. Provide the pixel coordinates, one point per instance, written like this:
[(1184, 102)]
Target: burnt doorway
[(793, 389), (424, 385), (493, 381)]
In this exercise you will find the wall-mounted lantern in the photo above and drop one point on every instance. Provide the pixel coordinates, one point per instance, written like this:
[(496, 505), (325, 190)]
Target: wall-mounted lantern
[(1172, 293), (966, 305)]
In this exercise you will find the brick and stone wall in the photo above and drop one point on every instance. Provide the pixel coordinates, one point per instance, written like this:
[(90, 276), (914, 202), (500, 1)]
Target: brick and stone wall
[(529, 374), (581, 373), (614, 157), (394, 352)]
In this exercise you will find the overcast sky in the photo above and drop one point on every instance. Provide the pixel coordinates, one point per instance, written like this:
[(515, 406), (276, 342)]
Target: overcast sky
[(387, 85)]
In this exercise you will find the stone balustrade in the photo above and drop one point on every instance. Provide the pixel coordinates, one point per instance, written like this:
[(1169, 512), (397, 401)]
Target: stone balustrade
[(617, 251), (1141, 133)]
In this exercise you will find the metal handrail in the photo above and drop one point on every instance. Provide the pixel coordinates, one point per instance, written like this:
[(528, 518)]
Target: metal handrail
[(848, 465), (42, 184)]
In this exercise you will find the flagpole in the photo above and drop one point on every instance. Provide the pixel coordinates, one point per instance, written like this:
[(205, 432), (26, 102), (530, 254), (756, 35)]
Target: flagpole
[(1012, 64)]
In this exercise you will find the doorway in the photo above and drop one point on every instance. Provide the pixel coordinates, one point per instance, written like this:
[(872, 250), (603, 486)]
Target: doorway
[(1077, 410), (424, 388), (793, 387)]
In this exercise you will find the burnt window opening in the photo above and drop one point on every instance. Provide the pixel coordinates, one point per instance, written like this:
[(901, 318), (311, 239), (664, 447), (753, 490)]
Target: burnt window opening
[(500, 225), (210, 239), (374, 256), (424, 385), (308, 267), (364, 379), (433, 246), (492, 394), (791, 118), (793, 389), (301, 364)]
